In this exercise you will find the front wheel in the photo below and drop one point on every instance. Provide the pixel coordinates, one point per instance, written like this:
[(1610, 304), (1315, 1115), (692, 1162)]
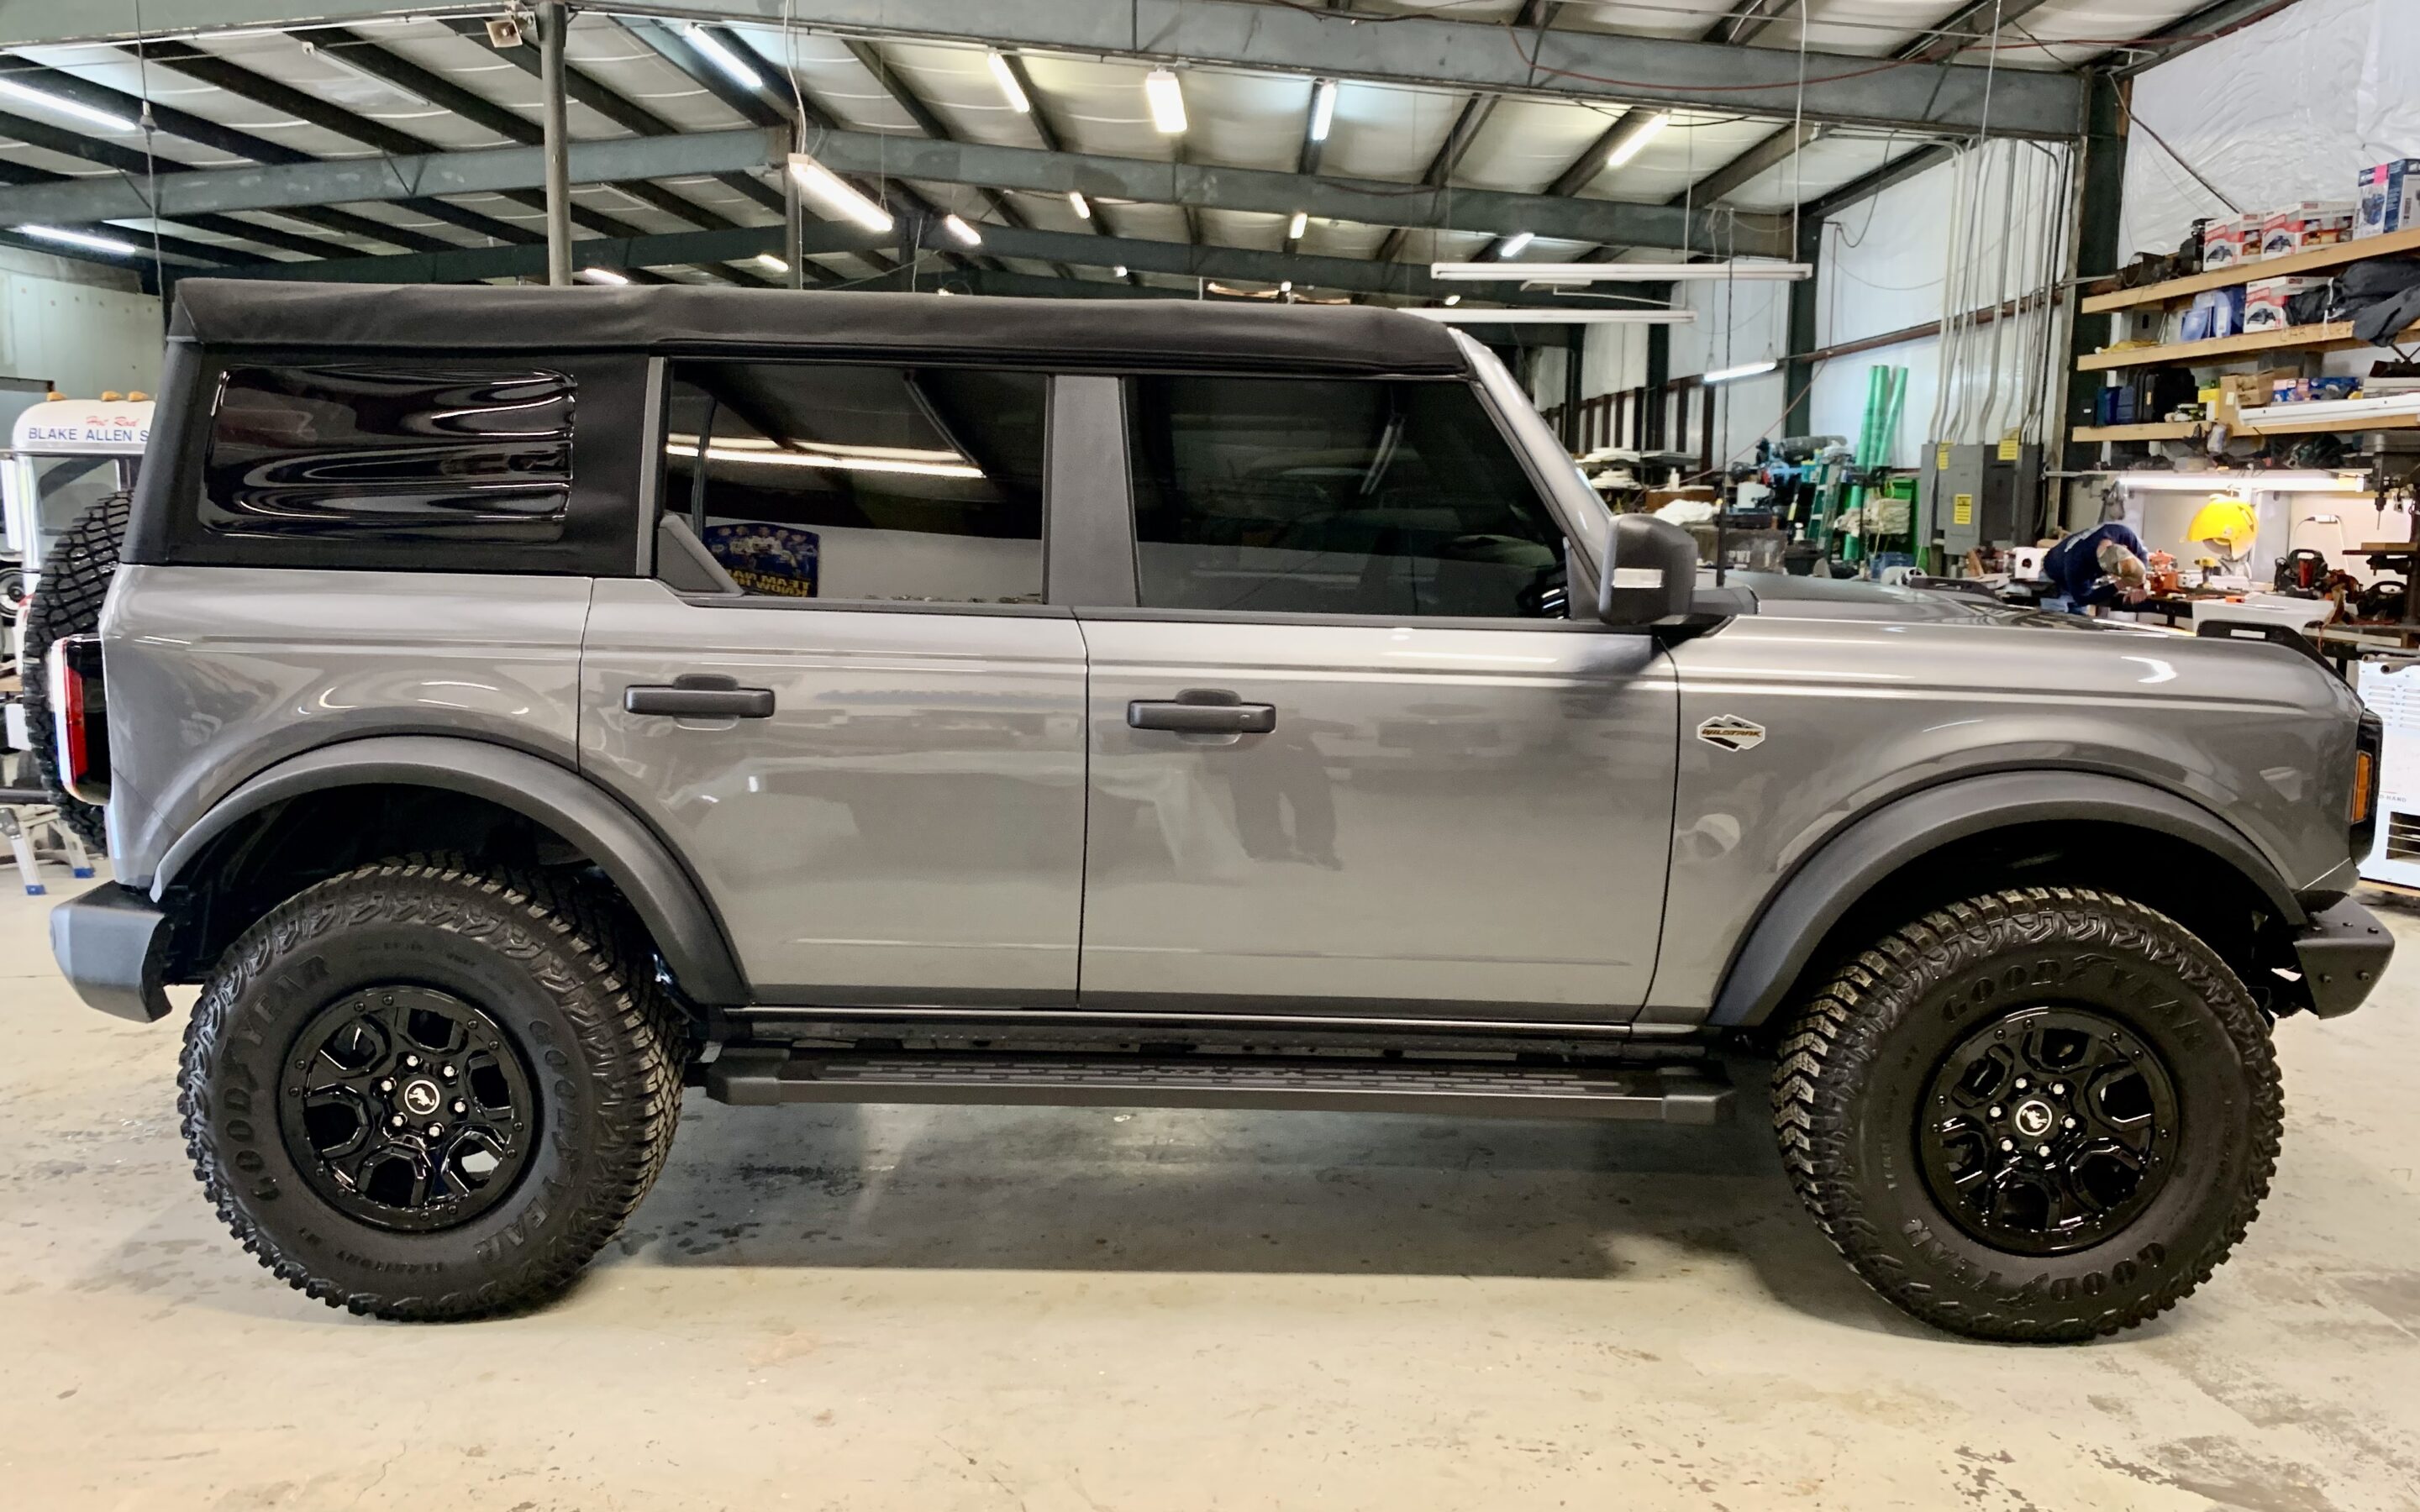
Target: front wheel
[(427, 1089), (2043, 1114)]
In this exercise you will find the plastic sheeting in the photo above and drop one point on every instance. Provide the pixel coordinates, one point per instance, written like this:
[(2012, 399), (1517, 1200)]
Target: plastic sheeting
[(2289, 109)]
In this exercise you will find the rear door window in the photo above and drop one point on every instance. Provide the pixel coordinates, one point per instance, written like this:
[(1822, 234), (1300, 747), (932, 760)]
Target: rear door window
[(1333, 496), (861, 482)]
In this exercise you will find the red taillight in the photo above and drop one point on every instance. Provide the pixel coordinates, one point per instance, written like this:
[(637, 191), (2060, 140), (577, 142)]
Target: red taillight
[(80, 715)]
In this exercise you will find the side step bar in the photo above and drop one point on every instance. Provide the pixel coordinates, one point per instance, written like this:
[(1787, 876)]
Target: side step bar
[(756, 1077)]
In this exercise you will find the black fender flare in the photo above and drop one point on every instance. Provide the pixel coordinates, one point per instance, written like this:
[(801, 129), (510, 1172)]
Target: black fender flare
[(1781, 942), (666, 897)]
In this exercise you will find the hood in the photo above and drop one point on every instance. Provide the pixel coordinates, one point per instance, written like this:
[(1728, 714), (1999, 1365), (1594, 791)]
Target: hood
[(1780, 595)]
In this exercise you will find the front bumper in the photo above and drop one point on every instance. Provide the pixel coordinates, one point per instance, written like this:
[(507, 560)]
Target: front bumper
[(2343, 952), (107, 943)]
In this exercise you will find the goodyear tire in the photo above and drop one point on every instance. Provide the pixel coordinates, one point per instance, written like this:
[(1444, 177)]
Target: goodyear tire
[(424, 1089), (2044, 1113), (67, 601)]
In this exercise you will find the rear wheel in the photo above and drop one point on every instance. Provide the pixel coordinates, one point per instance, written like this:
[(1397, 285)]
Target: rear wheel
[(2045, 1114), (424, 1089)]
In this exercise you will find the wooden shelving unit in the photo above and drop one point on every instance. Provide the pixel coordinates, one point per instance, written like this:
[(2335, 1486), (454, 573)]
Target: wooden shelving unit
[(2299, 262), (2248, 424), (2334, 336)]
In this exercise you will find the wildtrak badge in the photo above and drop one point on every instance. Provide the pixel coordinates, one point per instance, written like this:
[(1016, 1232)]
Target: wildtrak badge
[(1732, 733)]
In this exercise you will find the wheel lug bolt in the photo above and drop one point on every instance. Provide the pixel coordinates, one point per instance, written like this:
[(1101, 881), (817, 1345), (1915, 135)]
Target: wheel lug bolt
[(461, 1108), (415, 1062), (387, 1086), (2059, 1088), (2067, 1123), (2044, 1150), (395, 1122), (448, 1073), (2022, 1082), (2006, 1145), (1996, 1110), (436, 1129)]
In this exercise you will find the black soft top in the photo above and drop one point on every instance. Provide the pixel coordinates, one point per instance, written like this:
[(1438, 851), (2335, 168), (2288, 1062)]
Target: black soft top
[(225, 314)]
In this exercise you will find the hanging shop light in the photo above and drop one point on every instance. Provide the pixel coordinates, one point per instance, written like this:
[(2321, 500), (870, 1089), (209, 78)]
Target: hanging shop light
[(1515, 244), (1724, 374), (1619, 272), (1004, 76), (601, 275), (1082, 207), (1559, 318), (722, 57), (829, 190), (1630, 145), (65, 106), (1295, 227), (79, 239), (1166, 97), (1323, 109), (957, 225)]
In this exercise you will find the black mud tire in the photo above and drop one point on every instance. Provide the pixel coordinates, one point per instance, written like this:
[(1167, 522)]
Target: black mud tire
[(66, 602), (1857, 1063), (557, 968)]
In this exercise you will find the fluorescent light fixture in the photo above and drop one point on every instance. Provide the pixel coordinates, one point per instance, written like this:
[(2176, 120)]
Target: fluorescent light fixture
[(343, 63), (1004, 76), (1323, 109), (722, 57), (1082, 207), (65, 106), (1621, 273), (1295, 227), (1515, 244), (2238, 482), (771, 264), (79, 239), (601, 275), (1166, 97), (1452, 300), (1629, 147), (833, 193), (1559, 318), (1119, 270), (1724, 374), (1286, 287), (957, 225)]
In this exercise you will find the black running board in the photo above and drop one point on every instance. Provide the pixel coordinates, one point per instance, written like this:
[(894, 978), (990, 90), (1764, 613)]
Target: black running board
[(757, 1076)]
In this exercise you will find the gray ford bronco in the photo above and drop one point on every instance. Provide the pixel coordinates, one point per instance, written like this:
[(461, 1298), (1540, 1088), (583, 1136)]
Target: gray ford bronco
[(513, 705)]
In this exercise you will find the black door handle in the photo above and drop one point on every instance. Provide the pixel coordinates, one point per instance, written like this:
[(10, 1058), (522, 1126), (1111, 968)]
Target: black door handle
[(1203, 711), (700, 696)]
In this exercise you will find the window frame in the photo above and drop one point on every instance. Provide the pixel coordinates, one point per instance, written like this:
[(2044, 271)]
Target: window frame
[(601, 535), (1121, 598)]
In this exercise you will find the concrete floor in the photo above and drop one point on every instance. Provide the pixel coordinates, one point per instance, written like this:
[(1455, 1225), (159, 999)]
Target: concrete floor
[(941, 1309)]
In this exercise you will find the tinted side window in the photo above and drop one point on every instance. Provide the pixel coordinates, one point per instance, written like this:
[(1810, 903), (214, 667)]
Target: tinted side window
[(861, 482), (391, 453), (1292, 496)]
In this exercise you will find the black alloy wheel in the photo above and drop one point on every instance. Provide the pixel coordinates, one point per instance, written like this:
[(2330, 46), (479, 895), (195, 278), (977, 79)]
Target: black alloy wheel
[(2037, 1114), (408, 1109), (2048, 1131)]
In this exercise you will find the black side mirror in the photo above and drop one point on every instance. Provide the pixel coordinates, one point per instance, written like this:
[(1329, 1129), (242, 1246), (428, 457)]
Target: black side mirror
[(1651, 573)]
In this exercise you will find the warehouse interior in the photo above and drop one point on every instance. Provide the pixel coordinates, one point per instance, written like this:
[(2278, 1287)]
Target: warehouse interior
[(2078, 313)]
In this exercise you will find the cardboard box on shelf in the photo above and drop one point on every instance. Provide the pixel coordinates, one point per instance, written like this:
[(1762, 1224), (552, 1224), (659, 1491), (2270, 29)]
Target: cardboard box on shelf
[(2300, 226), (2265, 300), (2389, 198), (2248, 390), (2222, 243)]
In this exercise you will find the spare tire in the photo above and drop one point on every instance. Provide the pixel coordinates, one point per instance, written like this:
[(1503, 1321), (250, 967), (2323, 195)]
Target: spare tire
[(67, 601)]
